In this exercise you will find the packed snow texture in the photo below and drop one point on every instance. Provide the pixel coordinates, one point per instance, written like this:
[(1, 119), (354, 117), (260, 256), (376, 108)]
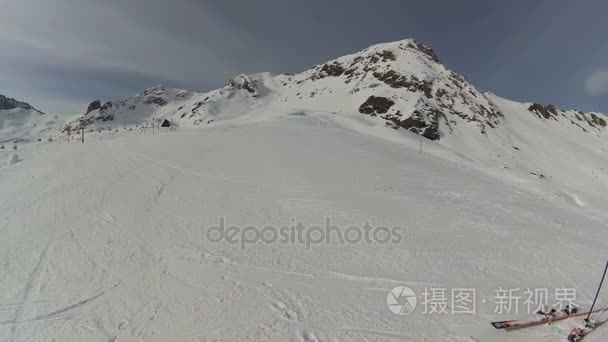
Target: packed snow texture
[(12, 160), (105, 241), (21, 125)]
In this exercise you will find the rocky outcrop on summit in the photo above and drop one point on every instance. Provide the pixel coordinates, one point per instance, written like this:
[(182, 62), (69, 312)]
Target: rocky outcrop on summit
[(106, 106), (243, 82), (7, 103), (547, 112), (410, 75), (95, 105), (424, 49), (584, 121)]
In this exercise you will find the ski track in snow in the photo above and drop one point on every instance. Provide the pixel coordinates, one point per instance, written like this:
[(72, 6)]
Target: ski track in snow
[(114, 249), (31, 283)]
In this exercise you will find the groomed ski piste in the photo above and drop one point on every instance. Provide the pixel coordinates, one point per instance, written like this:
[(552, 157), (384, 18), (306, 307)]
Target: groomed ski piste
[(107, 240)]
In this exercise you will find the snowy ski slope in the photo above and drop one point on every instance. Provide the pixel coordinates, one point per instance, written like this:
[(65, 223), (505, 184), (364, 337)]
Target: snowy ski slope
[(109, 240), (105, 241)]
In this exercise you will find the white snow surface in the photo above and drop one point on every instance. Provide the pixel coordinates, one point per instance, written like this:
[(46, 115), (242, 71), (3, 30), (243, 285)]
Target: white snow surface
[(12, 160), (21, 125), (106, 240)]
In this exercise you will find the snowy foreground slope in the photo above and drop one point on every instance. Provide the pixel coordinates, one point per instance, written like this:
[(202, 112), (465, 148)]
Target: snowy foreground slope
[(105, 241)]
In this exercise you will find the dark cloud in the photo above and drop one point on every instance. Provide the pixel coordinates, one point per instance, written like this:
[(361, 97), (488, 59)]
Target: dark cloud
[(63, 53)]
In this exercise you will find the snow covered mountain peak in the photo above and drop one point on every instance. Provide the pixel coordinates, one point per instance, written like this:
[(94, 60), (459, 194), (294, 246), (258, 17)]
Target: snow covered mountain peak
[(21, 122), (405, 44), (7, 103), (404, 84), (401, 85), (160, 91)]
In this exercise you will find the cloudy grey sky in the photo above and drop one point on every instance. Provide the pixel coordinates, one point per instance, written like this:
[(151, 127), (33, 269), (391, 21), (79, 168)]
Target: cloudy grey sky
[(61, 54)]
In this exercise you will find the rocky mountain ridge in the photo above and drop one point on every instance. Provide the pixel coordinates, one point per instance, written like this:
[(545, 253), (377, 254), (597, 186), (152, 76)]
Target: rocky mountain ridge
[(7, 103), (403, 84)]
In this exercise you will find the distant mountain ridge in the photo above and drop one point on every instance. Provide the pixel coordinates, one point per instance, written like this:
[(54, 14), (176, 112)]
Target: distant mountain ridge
[(7, 103), (402, 83), (20, 122), (398, 91)]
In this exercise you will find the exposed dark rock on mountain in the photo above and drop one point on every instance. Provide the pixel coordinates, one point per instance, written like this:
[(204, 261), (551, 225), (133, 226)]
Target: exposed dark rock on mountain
[(106, 106), (428, 128), (243, 82), (424, 49), (329, 70), (95, 105), (376, 105), (547, 112), (597, 121), (157, 100), (395, 80), (7, 103)]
